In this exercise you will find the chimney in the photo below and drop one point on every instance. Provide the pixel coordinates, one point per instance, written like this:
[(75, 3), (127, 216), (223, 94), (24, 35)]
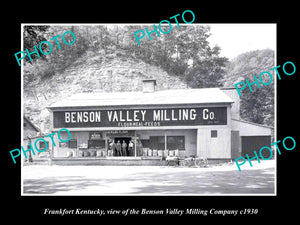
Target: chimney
[(149, 85)]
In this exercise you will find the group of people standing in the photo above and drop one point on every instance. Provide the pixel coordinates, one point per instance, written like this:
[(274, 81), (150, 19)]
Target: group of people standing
[(120, 149)]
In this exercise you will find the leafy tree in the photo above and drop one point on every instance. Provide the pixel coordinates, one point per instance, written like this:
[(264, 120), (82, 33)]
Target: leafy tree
[(207, 71), (34, 35), (59, 59), (256, 106)]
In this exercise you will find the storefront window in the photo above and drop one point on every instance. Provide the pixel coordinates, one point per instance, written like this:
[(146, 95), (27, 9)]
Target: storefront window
[(73, 143), (157, 142), (96, 140), (96, 143), (145, 143), (175, 142)]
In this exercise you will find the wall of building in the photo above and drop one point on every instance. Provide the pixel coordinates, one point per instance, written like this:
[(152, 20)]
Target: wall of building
[(214, 147), (235, 107), (198, 140), (62, 149), (36, 154)]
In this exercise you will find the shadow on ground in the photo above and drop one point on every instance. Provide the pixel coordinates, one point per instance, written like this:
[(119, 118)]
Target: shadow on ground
[(179, 182)]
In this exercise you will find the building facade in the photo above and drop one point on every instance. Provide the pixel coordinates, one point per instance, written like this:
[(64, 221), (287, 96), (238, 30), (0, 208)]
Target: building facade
[(152, 124)]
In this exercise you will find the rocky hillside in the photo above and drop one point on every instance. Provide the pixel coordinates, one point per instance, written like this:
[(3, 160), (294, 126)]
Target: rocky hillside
[(116, 72), (91, 73)]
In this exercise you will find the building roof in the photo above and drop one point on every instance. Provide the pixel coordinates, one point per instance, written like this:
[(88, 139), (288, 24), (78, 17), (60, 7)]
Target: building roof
[(247, 128), (255, 124), (31, 124), (165, 97)]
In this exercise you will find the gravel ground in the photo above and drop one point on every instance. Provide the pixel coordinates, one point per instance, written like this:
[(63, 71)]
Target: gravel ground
[(149, 180)]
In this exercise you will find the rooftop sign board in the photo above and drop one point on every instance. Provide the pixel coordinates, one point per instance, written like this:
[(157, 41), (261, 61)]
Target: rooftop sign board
[(141, 117)]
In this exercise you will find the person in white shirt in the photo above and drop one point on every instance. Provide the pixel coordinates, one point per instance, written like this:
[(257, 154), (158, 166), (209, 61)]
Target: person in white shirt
[(130, 148)]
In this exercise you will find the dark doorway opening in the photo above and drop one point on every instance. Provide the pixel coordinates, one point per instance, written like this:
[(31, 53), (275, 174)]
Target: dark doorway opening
[(251, 143), (127, 140)]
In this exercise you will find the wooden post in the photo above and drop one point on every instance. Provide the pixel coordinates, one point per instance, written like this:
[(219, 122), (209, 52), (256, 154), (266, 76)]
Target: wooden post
[(134, 143), (165, 140), (106, 144)]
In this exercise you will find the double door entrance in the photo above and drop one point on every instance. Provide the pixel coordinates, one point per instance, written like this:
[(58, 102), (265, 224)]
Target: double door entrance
[(123, 146)]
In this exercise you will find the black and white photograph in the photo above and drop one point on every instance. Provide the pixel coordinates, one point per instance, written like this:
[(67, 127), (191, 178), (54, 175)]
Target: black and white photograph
[(140, 112), (149, 109)]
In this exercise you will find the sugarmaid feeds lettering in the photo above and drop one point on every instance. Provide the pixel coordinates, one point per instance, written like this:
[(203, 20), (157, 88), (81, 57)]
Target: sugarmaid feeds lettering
[(23, 54)]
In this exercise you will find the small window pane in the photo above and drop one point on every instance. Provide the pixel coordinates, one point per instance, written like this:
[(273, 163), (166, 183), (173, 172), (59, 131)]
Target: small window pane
[(157, 142), (145, 143), (214, 133)]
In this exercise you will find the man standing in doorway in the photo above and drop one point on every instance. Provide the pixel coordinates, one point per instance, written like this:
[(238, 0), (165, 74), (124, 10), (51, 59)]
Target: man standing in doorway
[(130, 148), (118, 146), (124, 147)]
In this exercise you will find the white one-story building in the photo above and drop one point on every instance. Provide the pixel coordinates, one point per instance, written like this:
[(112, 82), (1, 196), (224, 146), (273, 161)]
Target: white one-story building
[(183, 122)]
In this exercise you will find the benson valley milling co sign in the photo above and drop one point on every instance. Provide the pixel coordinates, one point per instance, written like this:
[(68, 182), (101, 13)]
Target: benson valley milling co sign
[(141, 117)]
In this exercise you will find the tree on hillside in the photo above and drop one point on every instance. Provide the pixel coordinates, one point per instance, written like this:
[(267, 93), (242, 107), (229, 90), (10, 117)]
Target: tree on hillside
[(256, 106), (59, 59), (184, 52), (34, 35), (207, 71)]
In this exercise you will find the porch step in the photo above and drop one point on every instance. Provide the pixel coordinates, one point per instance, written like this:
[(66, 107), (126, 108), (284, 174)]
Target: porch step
[(110, 161), (123, 158)]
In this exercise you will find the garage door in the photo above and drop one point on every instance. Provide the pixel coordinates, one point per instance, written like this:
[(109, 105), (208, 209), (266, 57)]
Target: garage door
[(255, 143)]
